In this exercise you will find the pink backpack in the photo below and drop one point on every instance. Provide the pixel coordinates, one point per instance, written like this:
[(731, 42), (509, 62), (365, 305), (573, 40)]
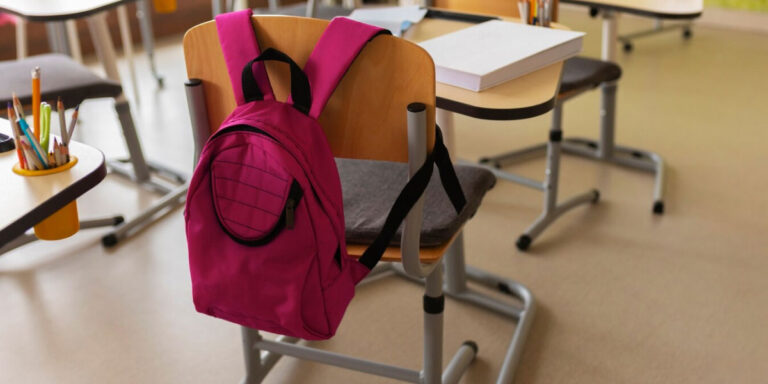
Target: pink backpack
[(264, 212)]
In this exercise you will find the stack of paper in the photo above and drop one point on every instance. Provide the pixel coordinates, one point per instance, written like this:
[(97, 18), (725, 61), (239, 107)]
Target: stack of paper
[(395, 19), (493, 52)]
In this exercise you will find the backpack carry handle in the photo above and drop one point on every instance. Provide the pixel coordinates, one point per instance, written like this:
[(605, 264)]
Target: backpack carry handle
[(300, 91)]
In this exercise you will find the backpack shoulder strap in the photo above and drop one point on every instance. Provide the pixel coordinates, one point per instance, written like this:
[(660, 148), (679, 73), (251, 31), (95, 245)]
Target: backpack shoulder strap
[(340, 44), (239, 45)]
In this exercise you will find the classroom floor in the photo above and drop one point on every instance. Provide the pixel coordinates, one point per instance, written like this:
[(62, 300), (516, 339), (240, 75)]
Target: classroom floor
[(623, 296)]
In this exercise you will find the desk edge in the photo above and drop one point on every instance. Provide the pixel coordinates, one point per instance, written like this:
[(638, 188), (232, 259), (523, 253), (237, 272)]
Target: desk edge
[(50, 206)]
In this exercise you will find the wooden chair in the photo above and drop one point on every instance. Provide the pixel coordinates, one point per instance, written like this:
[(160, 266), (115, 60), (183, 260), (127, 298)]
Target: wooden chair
[(580, 74), (366, 123)]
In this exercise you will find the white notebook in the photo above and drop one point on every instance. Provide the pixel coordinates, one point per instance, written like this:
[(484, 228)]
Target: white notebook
[(493, 52)]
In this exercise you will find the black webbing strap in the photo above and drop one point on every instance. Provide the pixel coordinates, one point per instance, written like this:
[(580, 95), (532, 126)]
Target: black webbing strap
[(300, 91), (411, 194)]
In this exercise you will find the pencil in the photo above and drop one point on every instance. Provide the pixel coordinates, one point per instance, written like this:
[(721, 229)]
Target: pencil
[(62, 121), (33, 143), (36, 101), (32, 160), (17, 106), (72, 124), (16, 141)]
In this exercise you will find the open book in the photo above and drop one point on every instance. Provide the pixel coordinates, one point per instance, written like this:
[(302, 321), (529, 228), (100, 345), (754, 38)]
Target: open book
[(493, 52)]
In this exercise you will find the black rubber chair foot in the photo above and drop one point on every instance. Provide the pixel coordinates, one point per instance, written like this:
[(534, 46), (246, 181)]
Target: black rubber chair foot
[(471, 344), (109, 241), (523, 242), (117, 220), (628, 47), (596, 196), (658, 207), (687, 33)]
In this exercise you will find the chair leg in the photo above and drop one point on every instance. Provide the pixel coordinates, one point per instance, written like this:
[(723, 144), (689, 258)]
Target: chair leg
[(261, 355), (434, 302), (160, 208), (457, 274), (606, 150)]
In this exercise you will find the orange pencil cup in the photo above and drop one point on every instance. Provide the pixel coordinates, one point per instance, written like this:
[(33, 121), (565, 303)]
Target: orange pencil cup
[(64, 222)]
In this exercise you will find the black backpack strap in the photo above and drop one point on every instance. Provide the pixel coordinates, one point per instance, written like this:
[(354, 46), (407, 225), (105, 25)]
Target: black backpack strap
[(411, 193)]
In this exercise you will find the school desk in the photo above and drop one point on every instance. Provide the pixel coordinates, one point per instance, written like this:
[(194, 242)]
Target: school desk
[(139, 169), (27, 200), (659, 9), (524, 97)]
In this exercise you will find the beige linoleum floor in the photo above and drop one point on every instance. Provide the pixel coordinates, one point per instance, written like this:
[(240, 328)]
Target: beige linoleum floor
[(623, 296)]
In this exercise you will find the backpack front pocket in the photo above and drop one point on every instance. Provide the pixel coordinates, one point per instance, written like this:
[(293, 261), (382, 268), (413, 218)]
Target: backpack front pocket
[(254, 199)]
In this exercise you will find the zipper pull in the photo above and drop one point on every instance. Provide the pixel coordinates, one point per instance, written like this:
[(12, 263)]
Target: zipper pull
[(290, 211)]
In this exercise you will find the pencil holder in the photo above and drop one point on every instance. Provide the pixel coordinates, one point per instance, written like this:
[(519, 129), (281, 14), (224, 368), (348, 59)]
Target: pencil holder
[(64, 222)]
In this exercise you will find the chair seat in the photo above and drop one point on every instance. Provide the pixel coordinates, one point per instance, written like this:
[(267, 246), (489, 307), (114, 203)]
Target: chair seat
[(371, 187), (326, 12), (585, 72), (60, 77)]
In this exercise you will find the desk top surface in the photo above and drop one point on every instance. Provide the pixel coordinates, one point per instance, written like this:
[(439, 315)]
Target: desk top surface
[(524, 97), (53, 10), (28, 200), (665, 9)]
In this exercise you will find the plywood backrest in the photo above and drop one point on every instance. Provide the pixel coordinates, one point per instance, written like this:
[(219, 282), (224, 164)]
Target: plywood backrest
[(366, 116), (505, 8)]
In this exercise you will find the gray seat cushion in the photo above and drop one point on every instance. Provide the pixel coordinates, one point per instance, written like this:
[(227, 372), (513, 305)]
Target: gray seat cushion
[(585, 72), (60, 77), (371, 187)]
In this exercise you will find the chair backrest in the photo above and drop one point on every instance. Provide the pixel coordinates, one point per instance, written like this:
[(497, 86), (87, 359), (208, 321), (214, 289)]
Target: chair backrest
[(506, 8), (366, 116)]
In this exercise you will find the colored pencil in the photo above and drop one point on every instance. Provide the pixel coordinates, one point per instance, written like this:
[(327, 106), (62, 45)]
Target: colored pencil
[(62, 121), (16, 141), (36, 101), (72, 124)]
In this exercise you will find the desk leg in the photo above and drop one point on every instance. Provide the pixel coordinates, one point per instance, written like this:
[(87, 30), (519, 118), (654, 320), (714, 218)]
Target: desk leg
[(610, 35), (148, 37), (97, 24), (444, 120), (74, 40), (125, 35), (57, 37), (21, 38)]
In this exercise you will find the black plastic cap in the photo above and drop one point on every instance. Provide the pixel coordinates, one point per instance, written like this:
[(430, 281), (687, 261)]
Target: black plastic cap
[(523, 242), (416, 107), (471, 344), (628, 47), (188, 83), (117, 220), (658, 207), (596, 197), (109, 240)]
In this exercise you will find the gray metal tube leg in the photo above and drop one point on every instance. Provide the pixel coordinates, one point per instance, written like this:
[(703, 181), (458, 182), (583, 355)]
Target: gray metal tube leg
[(160, 208), (552, 210), (606, 150), (457, 273), (144, 14), (140, 168)]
